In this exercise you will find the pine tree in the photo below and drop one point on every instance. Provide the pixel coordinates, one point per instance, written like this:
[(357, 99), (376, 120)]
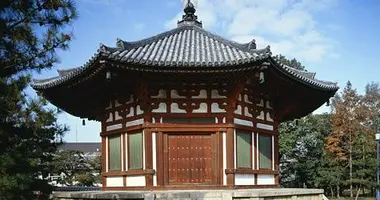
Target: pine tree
[(301, 145), (291, 63), (31, 32)]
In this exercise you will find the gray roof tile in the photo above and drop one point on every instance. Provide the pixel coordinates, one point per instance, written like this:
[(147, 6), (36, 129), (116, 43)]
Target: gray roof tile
[(186, 46)]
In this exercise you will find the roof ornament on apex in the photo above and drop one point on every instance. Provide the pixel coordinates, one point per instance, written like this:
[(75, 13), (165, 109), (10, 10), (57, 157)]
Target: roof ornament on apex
[(182, 48), (189, 18)]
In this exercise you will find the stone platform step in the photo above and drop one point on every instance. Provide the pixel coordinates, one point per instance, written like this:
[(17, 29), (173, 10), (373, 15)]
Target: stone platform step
[(240, 194)]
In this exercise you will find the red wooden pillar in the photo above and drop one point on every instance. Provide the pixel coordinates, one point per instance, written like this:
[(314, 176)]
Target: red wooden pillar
[(160, 158), (148, 157), (276, 155), (230, 157), (103, 161)]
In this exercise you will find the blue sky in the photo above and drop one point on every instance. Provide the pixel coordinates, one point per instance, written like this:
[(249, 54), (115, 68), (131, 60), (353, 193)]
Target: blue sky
[(338, 39)]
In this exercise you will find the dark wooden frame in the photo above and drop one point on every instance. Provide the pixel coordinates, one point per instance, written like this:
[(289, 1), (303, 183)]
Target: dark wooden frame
[(216, 129)]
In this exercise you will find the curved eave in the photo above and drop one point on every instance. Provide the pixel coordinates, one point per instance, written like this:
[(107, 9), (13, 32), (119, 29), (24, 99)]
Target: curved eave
[(183, 68), (101, 60), (312, 82)]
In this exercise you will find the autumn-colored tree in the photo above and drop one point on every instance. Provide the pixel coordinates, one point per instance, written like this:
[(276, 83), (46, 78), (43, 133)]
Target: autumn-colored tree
[(348, 116)]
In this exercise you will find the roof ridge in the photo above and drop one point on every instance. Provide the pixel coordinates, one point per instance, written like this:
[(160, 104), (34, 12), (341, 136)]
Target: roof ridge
[(64, 72), (127, 45), (309, 74), (243, 47)]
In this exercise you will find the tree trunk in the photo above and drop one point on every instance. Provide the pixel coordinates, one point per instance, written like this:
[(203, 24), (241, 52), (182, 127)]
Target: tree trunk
[(350, 163), (332, 192), (357, 193), (337, 192)]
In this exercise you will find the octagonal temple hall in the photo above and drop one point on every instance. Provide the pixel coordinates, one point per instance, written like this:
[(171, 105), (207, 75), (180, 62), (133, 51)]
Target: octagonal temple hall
[(187, 109)]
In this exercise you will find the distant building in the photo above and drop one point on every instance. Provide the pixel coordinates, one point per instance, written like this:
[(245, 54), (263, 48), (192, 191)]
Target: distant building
[(89, 149)]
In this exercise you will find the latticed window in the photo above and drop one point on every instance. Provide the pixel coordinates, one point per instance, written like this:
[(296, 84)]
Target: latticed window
[(135, 149), (114, 153), (243, 149), (265, 149)]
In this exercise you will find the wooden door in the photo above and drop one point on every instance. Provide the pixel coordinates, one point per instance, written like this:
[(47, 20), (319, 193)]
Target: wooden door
[(190, 159)]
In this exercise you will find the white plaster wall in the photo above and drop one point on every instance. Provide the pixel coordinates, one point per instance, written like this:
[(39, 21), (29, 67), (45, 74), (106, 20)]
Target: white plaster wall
[(238, 110), (116, 181), (261, 116), (268, 105), (106, 154), (202, 108), (161, 108), (224, 159), (117, 104), (234, 148), (138, 110), (135, 181), (272, 152), (202, 95), (126, 150), (110, 119), (257, 154), (161, 94), (143, 147), (130, 99), (264, 126), (265, 179), (243, 122), (154, 158), (117, 116), (253, 150), (174, 95), (175, 109), (246, 112), (134, 122), (109, 106), (269, 119), (215, 95), (122, 136), (131, 112), (261, 104), (244, 179), (114, 127), (246, 100), (215, 108)]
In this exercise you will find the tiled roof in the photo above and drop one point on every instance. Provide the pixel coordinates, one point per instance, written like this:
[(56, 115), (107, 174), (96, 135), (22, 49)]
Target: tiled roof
[(305, 77), (187, 46), (76, 188)]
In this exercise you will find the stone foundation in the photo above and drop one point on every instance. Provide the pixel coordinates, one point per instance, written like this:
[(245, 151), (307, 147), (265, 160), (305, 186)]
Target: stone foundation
[(241, 194)]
